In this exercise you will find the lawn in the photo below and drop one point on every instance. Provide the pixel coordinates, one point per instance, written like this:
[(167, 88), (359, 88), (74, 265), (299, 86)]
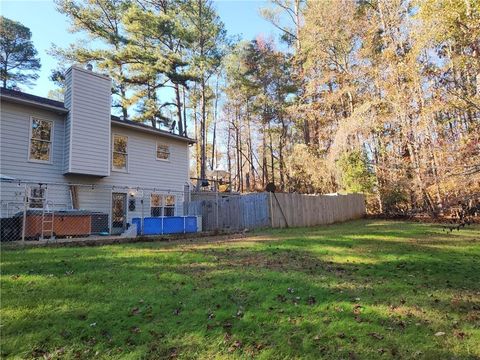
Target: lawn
[(360, 290)]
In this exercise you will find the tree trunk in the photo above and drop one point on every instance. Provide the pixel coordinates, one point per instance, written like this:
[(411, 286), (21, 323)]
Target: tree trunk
[(179, 110), (203, 130), (215, 109)]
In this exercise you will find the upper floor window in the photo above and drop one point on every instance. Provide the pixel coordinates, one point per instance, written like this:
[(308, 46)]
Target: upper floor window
[(163, 151), (41, 136), (120, 153)]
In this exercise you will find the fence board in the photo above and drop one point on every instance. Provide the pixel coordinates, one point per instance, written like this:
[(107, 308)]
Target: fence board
[(250, 211)]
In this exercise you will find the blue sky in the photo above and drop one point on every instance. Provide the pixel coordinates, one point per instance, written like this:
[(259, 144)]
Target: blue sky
[(50, 27)]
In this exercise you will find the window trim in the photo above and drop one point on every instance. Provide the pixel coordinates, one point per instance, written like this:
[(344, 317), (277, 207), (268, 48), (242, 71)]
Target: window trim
[(174, 207), (113, 152), (52, 137), (163, 206), (156, 151), (44, 197)]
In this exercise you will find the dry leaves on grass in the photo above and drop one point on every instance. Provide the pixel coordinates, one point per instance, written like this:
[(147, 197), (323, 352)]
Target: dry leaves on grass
[(376, 335)]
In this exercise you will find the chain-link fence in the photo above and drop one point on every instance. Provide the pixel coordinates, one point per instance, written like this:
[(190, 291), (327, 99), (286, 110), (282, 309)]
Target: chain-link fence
[(40, 211)]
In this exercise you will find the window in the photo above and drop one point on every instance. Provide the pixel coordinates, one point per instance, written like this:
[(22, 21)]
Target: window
[(162, 205), (37, 198), (120, 153), (163, 152), (40, 140), (169, 205), (156, 205)]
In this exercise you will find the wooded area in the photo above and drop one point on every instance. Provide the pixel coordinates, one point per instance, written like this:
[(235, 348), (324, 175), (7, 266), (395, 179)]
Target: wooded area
[(373, 96), (380, 97)]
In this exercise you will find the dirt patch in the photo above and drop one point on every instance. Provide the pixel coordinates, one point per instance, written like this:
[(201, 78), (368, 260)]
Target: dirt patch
[(242, 258), (205, 237)]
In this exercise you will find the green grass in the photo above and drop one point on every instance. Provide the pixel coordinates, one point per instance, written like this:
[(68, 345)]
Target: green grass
[(360, 290)]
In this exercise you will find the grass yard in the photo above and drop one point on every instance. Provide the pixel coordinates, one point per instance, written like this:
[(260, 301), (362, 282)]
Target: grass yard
[(360, 290)]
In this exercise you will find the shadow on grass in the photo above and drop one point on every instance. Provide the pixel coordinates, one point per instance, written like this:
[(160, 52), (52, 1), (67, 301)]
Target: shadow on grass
[(287, 298)]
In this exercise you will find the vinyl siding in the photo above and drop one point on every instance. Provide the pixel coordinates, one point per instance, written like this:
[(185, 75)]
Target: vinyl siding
[(68, 105), (144, 170), (88, 98), (14, 138)]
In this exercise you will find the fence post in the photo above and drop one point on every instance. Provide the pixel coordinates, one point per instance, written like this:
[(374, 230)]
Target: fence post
[(216, 212), (143, 212), (186, 199), (271, 208), (24, 220)]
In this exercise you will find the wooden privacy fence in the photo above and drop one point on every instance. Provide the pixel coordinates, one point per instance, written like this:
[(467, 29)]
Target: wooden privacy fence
[(250, 211), (312, 210)]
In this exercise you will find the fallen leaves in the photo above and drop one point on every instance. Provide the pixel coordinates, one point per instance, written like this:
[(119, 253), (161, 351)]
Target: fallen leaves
[(460, 335), (376, 335), (357, 308), (135, 311), (237, 344)]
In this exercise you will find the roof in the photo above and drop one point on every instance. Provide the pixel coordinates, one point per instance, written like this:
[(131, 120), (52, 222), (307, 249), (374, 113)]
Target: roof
[(24, 98), (59, 107), (147, 128)]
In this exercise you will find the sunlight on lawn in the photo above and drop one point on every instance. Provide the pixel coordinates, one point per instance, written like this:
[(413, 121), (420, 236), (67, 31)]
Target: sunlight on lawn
[(372, 289)]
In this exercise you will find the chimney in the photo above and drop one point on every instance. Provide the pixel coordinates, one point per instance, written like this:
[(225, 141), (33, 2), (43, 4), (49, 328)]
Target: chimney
[(88, 124)]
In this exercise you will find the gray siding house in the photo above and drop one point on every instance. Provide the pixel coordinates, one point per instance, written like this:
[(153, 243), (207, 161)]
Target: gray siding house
[(76, 156)]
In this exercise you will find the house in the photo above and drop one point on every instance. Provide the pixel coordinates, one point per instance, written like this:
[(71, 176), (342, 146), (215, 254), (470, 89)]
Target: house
[(77, 156)]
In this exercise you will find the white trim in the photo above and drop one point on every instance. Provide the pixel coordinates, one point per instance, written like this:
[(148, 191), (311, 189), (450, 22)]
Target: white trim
[(156, 151), (30, 134), (120, 191), (37, 104), (70, 116), (154, 131), (161, 206), (44, 198), (164, 203), (112, 151)]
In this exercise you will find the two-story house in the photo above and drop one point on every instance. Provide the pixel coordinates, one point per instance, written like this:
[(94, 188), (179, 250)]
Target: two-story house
[(75, 155)]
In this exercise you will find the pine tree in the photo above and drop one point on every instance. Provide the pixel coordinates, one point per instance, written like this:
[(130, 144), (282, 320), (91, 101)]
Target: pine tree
[(18, 61), (102, 21)]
